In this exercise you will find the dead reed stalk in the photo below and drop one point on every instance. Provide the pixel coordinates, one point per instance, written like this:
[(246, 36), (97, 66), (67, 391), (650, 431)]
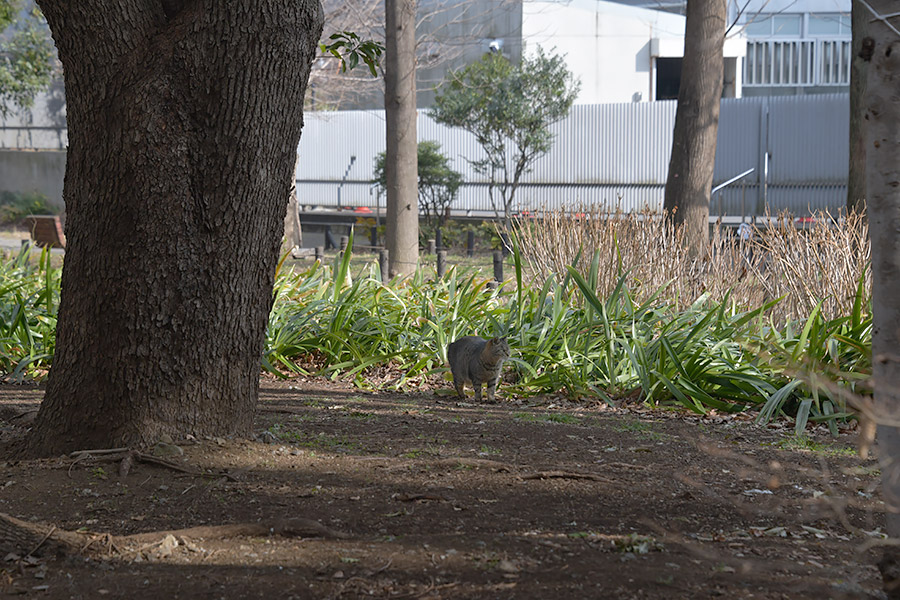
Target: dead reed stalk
[(823, 260)]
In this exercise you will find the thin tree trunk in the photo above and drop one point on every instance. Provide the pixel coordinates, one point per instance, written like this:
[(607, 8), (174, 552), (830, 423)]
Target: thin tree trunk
[(882, 175), (401, 157), (184, 120), (693, 157), (856, 180), (293, 233)]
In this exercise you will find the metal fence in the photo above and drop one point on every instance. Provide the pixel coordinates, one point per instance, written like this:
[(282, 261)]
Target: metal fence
[(793, 62), (33, 137), (613, 155)]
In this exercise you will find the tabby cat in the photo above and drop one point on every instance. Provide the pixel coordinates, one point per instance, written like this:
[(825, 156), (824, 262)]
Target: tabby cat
[(476, 360)]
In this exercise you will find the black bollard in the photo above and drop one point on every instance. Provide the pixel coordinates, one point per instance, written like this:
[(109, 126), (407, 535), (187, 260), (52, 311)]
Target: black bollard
[(320, 254), (438, 240), (498, 266)]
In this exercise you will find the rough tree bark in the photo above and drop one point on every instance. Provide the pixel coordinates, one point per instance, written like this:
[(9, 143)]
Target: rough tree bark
[(860, 54), (883, 185), (689, 181), (401, 156), (184, 119)]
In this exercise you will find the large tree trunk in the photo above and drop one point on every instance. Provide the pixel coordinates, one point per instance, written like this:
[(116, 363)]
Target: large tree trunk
[(401, 156), (693, 157), (184, 120), (856, 180), (883, 172)]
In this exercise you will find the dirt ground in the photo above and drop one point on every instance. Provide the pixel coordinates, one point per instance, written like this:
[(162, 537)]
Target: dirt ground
[(424, 496)]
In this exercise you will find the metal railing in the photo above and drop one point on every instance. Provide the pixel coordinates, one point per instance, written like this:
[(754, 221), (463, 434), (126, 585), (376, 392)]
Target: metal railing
[(31, 137), (797, 62), (724, 185)]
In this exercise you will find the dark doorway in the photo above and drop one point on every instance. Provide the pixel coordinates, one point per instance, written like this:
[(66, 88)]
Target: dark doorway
[(668, 78)]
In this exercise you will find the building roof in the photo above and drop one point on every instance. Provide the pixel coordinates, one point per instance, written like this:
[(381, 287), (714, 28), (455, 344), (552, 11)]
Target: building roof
[(672, 6)]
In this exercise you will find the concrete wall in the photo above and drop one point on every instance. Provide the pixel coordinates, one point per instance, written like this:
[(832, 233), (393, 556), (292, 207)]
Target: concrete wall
[(33, 147), (34, 170), (607, 45), (41, 127)]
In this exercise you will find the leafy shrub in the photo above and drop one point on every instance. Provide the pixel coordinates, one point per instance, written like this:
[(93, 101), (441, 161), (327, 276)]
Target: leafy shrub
[(15, 206), (29, 297), (438, 183), (566, 337)]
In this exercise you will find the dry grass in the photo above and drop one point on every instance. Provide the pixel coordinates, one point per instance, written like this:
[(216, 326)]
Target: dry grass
[(822, 261)]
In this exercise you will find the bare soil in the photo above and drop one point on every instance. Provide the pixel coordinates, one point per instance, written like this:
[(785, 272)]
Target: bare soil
[(427, 497)]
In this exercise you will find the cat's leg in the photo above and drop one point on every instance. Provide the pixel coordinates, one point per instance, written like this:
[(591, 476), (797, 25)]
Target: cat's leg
[(460, 386), (492, 387), (476, 383)]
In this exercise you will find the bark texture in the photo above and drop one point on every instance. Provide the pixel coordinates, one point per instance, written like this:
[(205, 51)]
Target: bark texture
[(883, 186), (401, 156), (861, 54), (184, 119), (690, 177)]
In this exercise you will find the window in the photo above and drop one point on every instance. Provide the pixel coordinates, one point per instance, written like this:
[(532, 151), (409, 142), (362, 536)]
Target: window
[(668, 78), (774, 25), (759, 26), (828, 24), (784, 25)]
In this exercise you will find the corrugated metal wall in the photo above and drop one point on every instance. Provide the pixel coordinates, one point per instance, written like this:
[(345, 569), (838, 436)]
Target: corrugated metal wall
[(616, 155)]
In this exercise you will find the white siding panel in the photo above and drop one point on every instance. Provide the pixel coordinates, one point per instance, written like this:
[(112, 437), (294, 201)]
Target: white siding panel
[(615, 155)]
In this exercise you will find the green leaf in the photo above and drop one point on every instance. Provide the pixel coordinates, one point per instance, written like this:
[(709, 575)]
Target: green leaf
[(802, 416)]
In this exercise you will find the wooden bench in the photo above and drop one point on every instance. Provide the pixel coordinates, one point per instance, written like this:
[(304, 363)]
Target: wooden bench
[(46, 230)]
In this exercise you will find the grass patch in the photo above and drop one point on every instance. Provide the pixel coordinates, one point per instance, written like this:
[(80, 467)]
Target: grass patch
[(427, 451), (547, 418), (321, 441), (804, 443), (633, 426), (284, 434), (637, 544), (363, 416), (640, 428)]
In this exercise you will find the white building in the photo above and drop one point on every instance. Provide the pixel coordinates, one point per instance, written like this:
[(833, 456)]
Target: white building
[(620, 53), (630, 50)]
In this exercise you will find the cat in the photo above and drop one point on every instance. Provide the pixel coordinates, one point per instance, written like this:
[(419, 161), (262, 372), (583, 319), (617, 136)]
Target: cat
[(476, 360)]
